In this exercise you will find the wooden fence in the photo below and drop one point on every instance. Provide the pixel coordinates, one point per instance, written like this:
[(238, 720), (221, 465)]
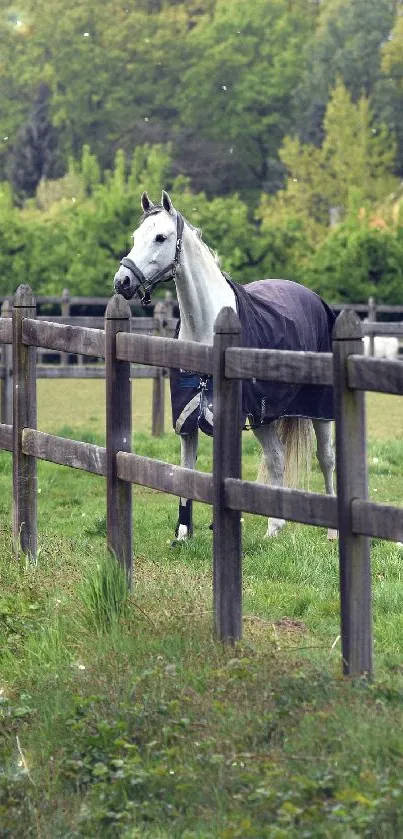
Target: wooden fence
[(67, 302), (350, 373), (162, 323)]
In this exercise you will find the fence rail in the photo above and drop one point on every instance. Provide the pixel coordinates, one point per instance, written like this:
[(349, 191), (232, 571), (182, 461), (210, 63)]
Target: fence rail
[(355, 517), (66, 302), (87, 456), (73, 345), (279, 365), (84, 339), (377, 374)]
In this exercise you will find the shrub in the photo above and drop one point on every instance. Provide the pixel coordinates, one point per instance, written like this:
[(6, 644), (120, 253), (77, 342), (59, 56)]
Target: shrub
[(356, 261)]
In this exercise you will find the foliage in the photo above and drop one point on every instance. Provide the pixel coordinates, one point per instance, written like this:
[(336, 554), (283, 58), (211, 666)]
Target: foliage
[(388, 96), (52, 194), (348, 44), (348, 174), (65, 234), (185, 72), (77, 228), (355, 154), (224, 83), (32, 157), (246, 62), (15, 243), (357, 260), (261, 118)]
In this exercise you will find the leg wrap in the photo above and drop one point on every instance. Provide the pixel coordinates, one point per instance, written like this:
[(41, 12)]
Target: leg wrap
[(185, 517)]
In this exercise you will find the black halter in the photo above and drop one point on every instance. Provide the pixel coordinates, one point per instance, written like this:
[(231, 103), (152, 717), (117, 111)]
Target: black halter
[(144, 286)]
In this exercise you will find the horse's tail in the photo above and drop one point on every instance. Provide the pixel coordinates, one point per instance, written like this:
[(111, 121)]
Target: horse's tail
[(296, 435)]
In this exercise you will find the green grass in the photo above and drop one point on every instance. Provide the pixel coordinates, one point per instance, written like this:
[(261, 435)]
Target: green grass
[(122, 717)]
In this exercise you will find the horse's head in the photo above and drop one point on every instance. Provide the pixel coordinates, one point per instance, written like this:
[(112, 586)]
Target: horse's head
[(155, 254)]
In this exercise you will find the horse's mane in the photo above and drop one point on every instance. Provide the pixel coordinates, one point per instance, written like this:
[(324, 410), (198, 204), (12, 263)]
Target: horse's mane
[(158, 208)]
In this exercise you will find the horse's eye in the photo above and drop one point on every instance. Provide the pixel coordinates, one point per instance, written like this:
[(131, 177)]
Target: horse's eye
[(160, 237)]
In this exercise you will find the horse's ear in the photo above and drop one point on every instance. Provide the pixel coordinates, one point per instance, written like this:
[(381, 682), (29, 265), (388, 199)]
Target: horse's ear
[(166, 202), (146, 204)]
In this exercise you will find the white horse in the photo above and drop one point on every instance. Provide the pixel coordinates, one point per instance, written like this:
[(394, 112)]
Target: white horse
[(165, 246), (385, 346)]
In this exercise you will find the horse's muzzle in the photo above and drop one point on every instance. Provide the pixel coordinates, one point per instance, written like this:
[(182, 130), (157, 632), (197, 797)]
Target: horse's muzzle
[(125, 283)]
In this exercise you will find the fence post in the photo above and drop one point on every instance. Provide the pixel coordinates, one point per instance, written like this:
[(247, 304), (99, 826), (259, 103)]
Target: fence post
[(65, 310), (118, 435), (227, 539), (352, 482), (24, 416), (7, 380), (169, 305), (158, 406), (372, 319)]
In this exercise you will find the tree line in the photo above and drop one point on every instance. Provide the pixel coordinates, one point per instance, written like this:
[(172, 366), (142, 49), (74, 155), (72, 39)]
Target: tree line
[(276, 125)]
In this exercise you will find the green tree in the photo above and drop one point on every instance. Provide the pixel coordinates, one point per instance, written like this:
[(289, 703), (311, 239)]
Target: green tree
[(16, 97), (70, 236), (89, 236), (112, 69), (347, 44), (356, 154), (237, 90), (388, 97), (15, 244), (356, 261), (221, 80), (214, 78), (32, 157)]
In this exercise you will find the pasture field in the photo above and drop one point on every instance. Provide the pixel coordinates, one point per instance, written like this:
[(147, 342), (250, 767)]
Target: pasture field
[(122, 717)]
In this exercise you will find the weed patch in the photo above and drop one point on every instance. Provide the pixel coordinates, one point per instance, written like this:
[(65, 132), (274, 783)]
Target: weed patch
[(104, 595)]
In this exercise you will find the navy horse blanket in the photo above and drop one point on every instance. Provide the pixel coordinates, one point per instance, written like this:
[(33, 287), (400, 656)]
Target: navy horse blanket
[(274, 314)]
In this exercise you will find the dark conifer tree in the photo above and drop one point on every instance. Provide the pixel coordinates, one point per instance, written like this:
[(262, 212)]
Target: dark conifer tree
[(32, 157)]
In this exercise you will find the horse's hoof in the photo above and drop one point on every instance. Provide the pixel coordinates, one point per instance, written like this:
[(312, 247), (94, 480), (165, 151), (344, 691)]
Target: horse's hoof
[(210, 527), (274, 529), (332, 534)]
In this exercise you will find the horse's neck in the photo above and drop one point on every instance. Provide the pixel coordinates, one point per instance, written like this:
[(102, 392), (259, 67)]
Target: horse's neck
[(202, 291)]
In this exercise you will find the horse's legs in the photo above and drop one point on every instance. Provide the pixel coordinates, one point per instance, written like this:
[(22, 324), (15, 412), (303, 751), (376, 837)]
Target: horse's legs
[(273, 454), (184, 527), (326, 458)]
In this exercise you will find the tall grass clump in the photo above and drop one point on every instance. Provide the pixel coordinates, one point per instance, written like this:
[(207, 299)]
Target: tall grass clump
[(104, 595)]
